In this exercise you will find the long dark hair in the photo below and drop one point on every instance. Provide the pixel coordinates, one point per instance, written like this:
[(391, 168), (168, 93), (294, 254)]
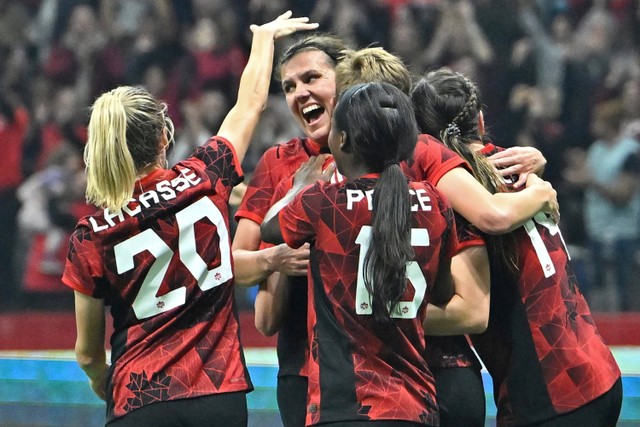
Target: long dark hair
[(380, 128), (448, 105)]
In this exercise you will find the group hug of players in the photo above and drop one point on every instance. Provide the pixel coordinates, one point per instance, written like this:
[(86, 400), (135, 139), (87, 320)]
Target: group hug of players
[(387, 242)]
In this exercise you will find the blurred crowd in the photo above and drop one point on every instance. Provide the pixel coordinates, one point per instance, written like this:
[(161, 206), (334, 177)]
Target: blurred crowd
[(560, 75)]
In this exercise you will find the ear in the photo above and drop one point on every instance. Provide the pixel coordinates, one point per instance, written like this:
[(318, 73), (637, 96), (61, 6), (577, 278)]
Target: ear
[(345, 144), (164, 140), (481, 123)]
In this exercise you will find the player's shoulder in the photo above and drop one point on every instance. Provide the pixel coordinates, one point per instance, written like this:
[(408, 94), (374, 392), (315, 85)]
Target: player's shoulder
[(289, 148), (425, 189), (428, 139), (425, 186)]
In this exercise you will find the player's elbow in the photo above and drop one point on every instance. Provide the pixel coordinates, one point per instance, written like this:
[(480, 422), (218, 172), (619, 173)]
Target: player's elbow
[(478, 324), (495, 221), (266, 327), (88, 361), (479, 318)]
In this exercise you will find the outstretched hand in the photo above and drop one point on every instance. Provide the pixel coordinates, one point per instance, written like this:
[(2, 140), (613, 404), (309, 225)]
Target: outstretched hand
[(284, 25)]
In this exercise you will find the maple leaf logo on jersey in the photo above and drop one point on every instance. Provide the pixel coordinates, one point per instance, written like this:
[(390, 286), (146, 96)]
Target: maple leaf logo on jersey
[(147, 390), (218, 276), (364, 306), (160, 304)]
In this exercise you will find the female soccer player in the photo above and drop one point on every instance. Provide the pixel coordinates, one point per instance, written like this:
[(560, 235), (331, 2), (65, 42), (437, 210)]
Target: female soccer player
[(381, 249), (548, 363), (309, 82), (159, 253), (457, 372)]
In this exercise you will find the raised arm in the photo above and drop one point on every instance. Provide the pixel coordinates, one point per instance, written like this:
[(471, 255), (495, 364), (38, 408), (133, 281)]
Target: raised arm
[(239, 124)]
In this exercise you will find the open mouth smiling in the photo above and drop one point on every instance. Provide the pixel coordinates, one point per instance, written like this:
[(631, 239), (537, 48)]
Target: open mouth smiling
[(312, 113)]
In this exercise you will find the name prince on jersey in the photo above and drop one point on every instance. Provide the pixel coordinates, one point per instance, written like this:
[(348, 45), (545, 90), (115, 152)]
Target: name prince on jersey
[(419, 199)]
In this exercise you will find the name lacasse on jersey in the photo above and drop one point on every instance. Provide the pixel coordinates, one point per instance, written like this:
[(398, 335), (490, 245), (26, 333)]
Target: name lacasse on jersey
[(164, 191), (420, 200)]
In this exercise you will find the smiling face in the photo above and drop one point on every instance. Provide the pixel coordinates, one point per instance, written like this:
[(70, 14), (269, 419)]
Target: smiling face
[(309, 85)]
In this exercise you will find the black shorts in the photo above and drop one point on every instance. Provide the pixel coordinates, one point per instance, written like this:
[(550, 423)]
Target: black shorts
[(601, 412), (292, 400), (225, 409), (460, 397)]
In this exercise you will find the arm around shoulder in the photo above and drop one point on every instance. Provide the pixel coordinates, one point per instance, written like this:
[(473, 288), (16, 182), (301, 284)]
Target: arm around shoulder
[(501, 212)]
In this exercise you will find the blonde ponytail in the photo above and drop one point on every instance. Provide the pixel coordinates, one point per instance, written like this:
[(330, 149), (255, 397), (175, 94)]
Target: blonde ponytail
[(124, 130)]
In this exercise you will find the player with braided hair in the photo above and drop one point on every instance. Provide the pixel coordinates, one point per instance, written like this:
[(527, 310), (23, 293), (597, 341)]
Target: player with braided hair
[(549, 365), (381, 250), (460, 392)]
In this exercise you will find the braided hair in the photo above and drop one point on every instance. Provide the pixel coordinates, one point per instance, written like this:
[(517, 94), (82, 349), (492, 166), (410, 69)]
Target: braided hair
[(447, 105)]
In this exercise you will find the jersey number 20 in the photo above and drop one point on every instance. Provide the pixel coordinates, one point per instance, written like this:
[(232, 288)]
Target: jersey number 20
[(147, 302)]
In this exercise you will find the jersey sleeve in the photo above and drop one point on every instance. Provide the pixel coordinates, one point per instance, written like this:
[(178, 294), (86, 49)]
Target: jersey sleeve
[(83, 269), (468, 234), (450, 244), (298, 218), (221, 164), (257, 199), (432, 160)]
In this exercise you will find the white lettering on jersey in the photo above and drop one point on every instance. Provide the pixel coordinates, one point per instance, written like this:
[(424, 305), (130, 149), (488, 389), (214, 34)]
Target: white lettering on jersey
[(420, 200), (165, 190)]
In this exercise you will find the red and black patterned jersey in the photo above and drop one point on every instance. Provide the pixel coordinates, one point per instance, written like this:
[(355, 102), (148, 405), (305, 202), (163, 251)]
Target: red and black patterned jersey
[(455, 351), (432, 160), (164, 265), (279, 163), (358, 369), (542, 347), (276, 169)]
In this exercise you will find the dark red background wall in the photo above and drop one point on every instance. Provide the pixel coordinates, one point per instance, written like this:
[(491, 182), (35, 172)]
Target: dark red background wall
[(38, 330)]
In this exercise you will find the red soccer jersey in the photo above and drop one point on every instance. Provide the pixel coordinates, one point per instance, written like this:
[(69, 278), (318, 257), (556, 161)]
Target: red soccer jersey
[(164, 265), (357, 369), (276, 169), (277, 164), (542, 347), (432, 160)]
